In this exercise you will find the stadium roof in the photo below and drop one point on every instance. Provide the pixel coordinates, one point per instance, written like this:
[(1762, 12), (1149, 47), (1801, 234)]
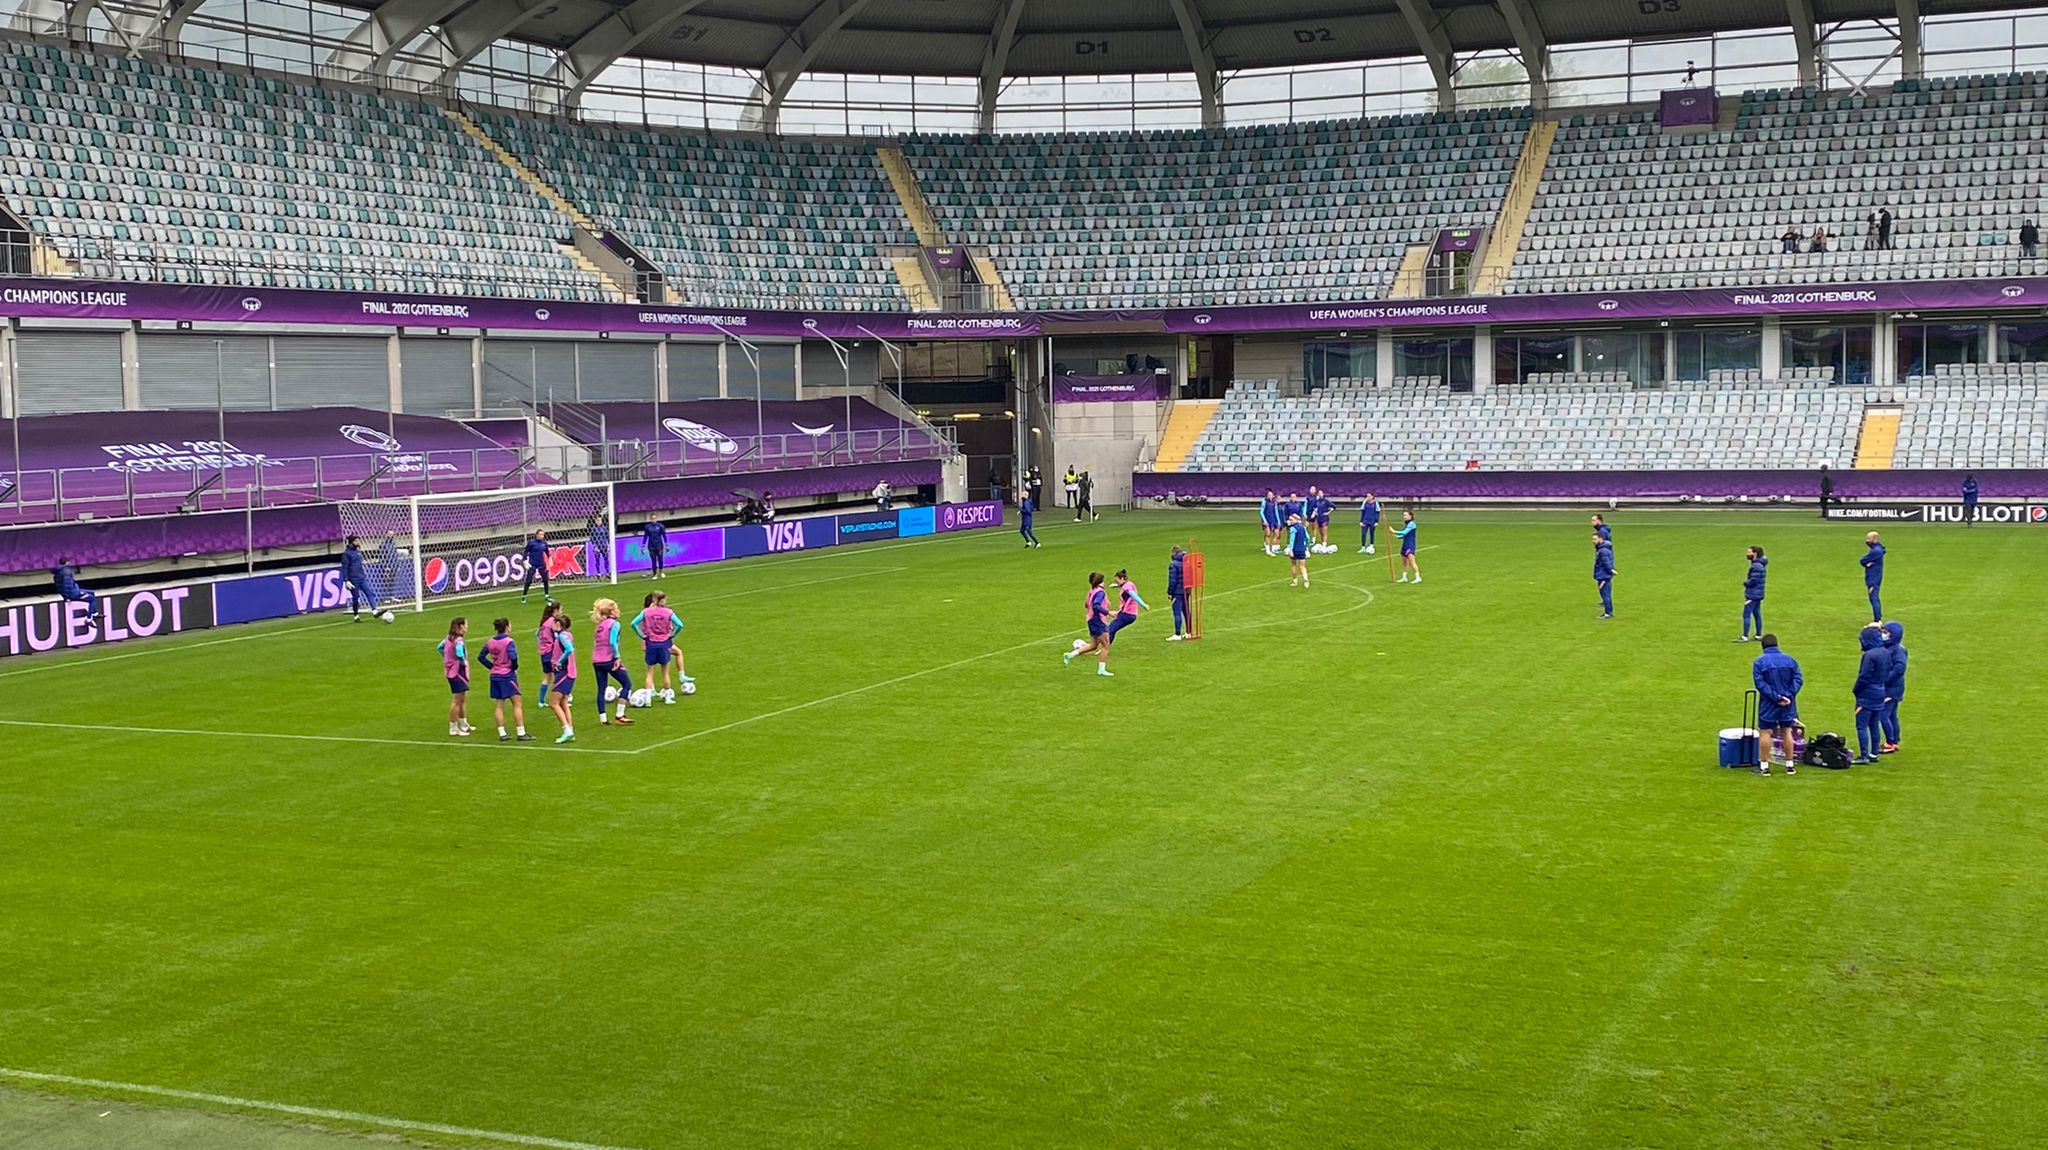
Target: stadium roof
[(990, 40)]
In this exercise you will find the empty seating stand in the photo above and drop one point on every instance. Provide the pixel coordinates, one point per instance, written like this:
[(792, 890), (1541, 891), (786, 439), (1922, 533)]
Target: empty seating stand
[(1975, 416), (139, 169), (1570, 424), (1958, 161)]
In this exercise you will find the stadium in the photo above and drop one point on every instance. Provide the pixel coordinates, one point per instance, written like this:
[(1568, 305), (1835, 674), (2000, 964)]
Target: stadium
[(977, 463)]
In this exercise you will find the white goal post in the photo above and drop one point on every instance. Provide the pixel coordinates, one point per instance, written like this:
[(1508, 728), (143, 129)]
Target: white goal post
[(424, 547)]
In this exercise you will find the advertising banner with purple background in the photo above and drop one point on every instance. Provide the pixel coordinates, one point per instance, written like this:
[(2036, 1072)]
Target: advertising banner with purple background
[(1684, 107), (83, 299), (59, 625), (1109, 388)]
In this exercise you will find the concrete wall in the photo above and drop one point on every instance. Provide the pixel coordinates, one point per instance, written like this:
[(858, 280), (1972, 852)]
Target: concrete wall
[(1106, 440)]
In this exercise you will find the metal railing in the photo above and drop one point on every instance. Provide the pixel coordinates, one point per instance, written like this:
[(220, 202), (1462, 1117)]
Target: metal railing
[(54, 495)]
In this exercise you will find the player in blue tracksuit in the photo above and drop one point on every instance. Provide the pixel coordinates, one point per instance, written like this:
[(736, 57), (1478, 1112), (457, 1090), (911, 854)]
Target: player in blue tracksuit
[(1969, 499), (66, 580), (1297, 550), (1894, 686), (600, 545), (1025, 510), (1407, 534), (655, 536), (1777, 680), (1873, 674), (355, 575), (1177, 594), (1753, 594), (1603, 574), (537, 564), (1601, 528), (1368, 525), (1873, 574), (1269, 522)]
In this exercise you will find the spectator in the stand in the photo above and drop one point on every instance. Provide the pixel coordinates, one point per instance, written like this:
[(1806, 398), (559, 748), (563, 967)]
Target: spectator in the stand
[(2030, 239), (1818, 245), (1884, 228), (1870, 232), (1789, 242)]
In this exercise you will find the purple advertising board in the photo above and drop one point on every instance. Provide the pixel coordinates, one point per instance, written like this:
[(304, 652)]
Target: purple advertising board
[(1686, 107), (967, 516), (256, 307), (779, 537), (948, 258), (1457, 240), (1139, 388), (254, 597), (683, 548), (57, 625)]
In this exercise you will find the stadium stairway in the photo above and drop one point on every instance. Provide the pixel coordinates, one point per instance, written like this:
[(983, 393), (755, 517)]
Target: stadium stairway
[(1408, 277), (1189, 419), (1504, 239), (985, 267), (915, 206), (1878, 439), (584, 223)]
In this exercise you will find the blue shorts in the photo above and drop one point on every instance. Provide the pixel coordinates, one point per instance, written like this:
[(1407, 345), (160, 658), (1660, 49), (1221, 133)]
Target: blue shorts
[(1269, 524), (458, 686), (1322, 521), (504, 686), (1097, 627), (547, 664), (565, 687), (1297, 553), (657, 654), (1769, 717), (1405, 550)]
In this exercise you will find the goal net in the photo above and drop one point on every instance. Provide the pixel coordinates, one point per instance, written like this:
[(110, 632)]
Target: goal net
[(429, 547)]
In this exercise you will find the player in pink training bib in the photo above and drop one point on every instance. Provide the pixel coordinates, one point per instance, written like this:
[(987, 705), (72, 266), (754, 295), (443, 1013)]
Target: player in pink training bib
[(455, 664), (657, 627), (605, 660)]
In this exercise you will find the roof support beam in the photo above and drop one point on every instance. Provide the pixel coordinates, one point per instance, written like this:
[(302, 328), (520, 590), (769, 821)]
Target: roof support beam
[(996, 60), (371, 45), (1805, 41), (793, 58), (1911, 61), (138, 30), (1532, 44), (1435, 47), (595, 50), (466, 34), (1201, 60)]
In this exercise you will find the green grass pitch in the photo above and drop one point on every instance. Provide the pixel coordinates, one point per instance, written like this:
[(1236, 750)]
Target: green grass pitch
[(1371, 865)]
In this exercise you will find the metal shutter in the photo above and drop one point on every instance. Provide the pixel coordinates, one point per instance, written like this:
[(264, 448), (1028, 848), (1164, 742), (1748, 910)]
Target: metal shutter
[(332, 371), (693, 371), (615, 371), (177, 371), (778, 373), (517, 372), (436, 376), (67, 371)]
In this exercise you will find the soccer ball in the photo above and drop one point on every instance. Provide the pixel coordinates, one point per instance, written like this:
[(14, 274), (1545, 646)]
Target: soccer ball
[(1079, 643), (689, 687), (388, 617), (611, 694), (1612, 503), (641, 697)]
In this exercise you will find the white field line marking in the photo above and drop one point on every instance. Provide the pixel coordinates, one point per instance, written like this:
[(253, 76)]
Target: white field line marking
[(128, 652), (349, 1116), (479, 740), (904, 678)]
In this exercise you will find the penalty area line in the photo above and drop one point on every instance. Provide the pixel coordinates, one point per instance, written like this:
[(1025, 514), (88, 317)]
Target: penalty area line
[(449, 742), (350, 1116)]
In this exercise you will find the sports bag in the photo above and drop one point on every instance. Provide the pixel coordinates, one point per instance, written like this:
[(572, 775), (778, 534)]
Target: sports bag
[(1828, 750)]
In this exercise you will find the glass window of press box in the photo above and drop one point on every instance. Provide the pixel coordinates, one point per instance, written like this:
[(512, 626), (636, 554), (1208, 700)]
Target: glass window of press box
[(1517, 357), (1325, 361), (1924, 347), (2023, 343), (1446, 358), (1696, 352), (1846, 348)]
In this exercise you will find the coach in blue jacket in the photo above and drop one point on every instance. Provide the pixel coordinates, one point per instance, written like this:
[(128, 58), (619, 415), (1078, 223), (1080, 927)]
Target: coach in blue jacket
[(1873, 674), (66, 581), (1777, 680), (1895, 685), (1873, 574), (1603, 574), (1177, 591), (1753, 594)]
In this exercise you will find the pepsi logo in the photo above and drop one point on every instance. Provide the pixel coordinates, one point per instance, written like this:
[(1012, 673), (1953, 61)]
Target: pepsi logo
[(369, 437), (2012, 291), (251, 303), (697, 435), (436, 575), (1608, 304), (541, 314), (2037, 514)]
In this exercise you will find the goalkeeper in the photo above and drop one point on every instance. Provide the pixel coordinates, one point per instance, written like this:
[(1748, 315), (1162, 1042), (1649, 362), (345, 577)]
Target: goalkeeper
[(537, 564)]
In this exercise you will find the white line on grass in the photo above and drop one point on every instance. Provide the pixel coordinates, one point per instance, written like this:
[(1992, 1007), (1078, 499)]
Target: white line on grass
[(904, 678), (481, 741), (348, 1116)]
